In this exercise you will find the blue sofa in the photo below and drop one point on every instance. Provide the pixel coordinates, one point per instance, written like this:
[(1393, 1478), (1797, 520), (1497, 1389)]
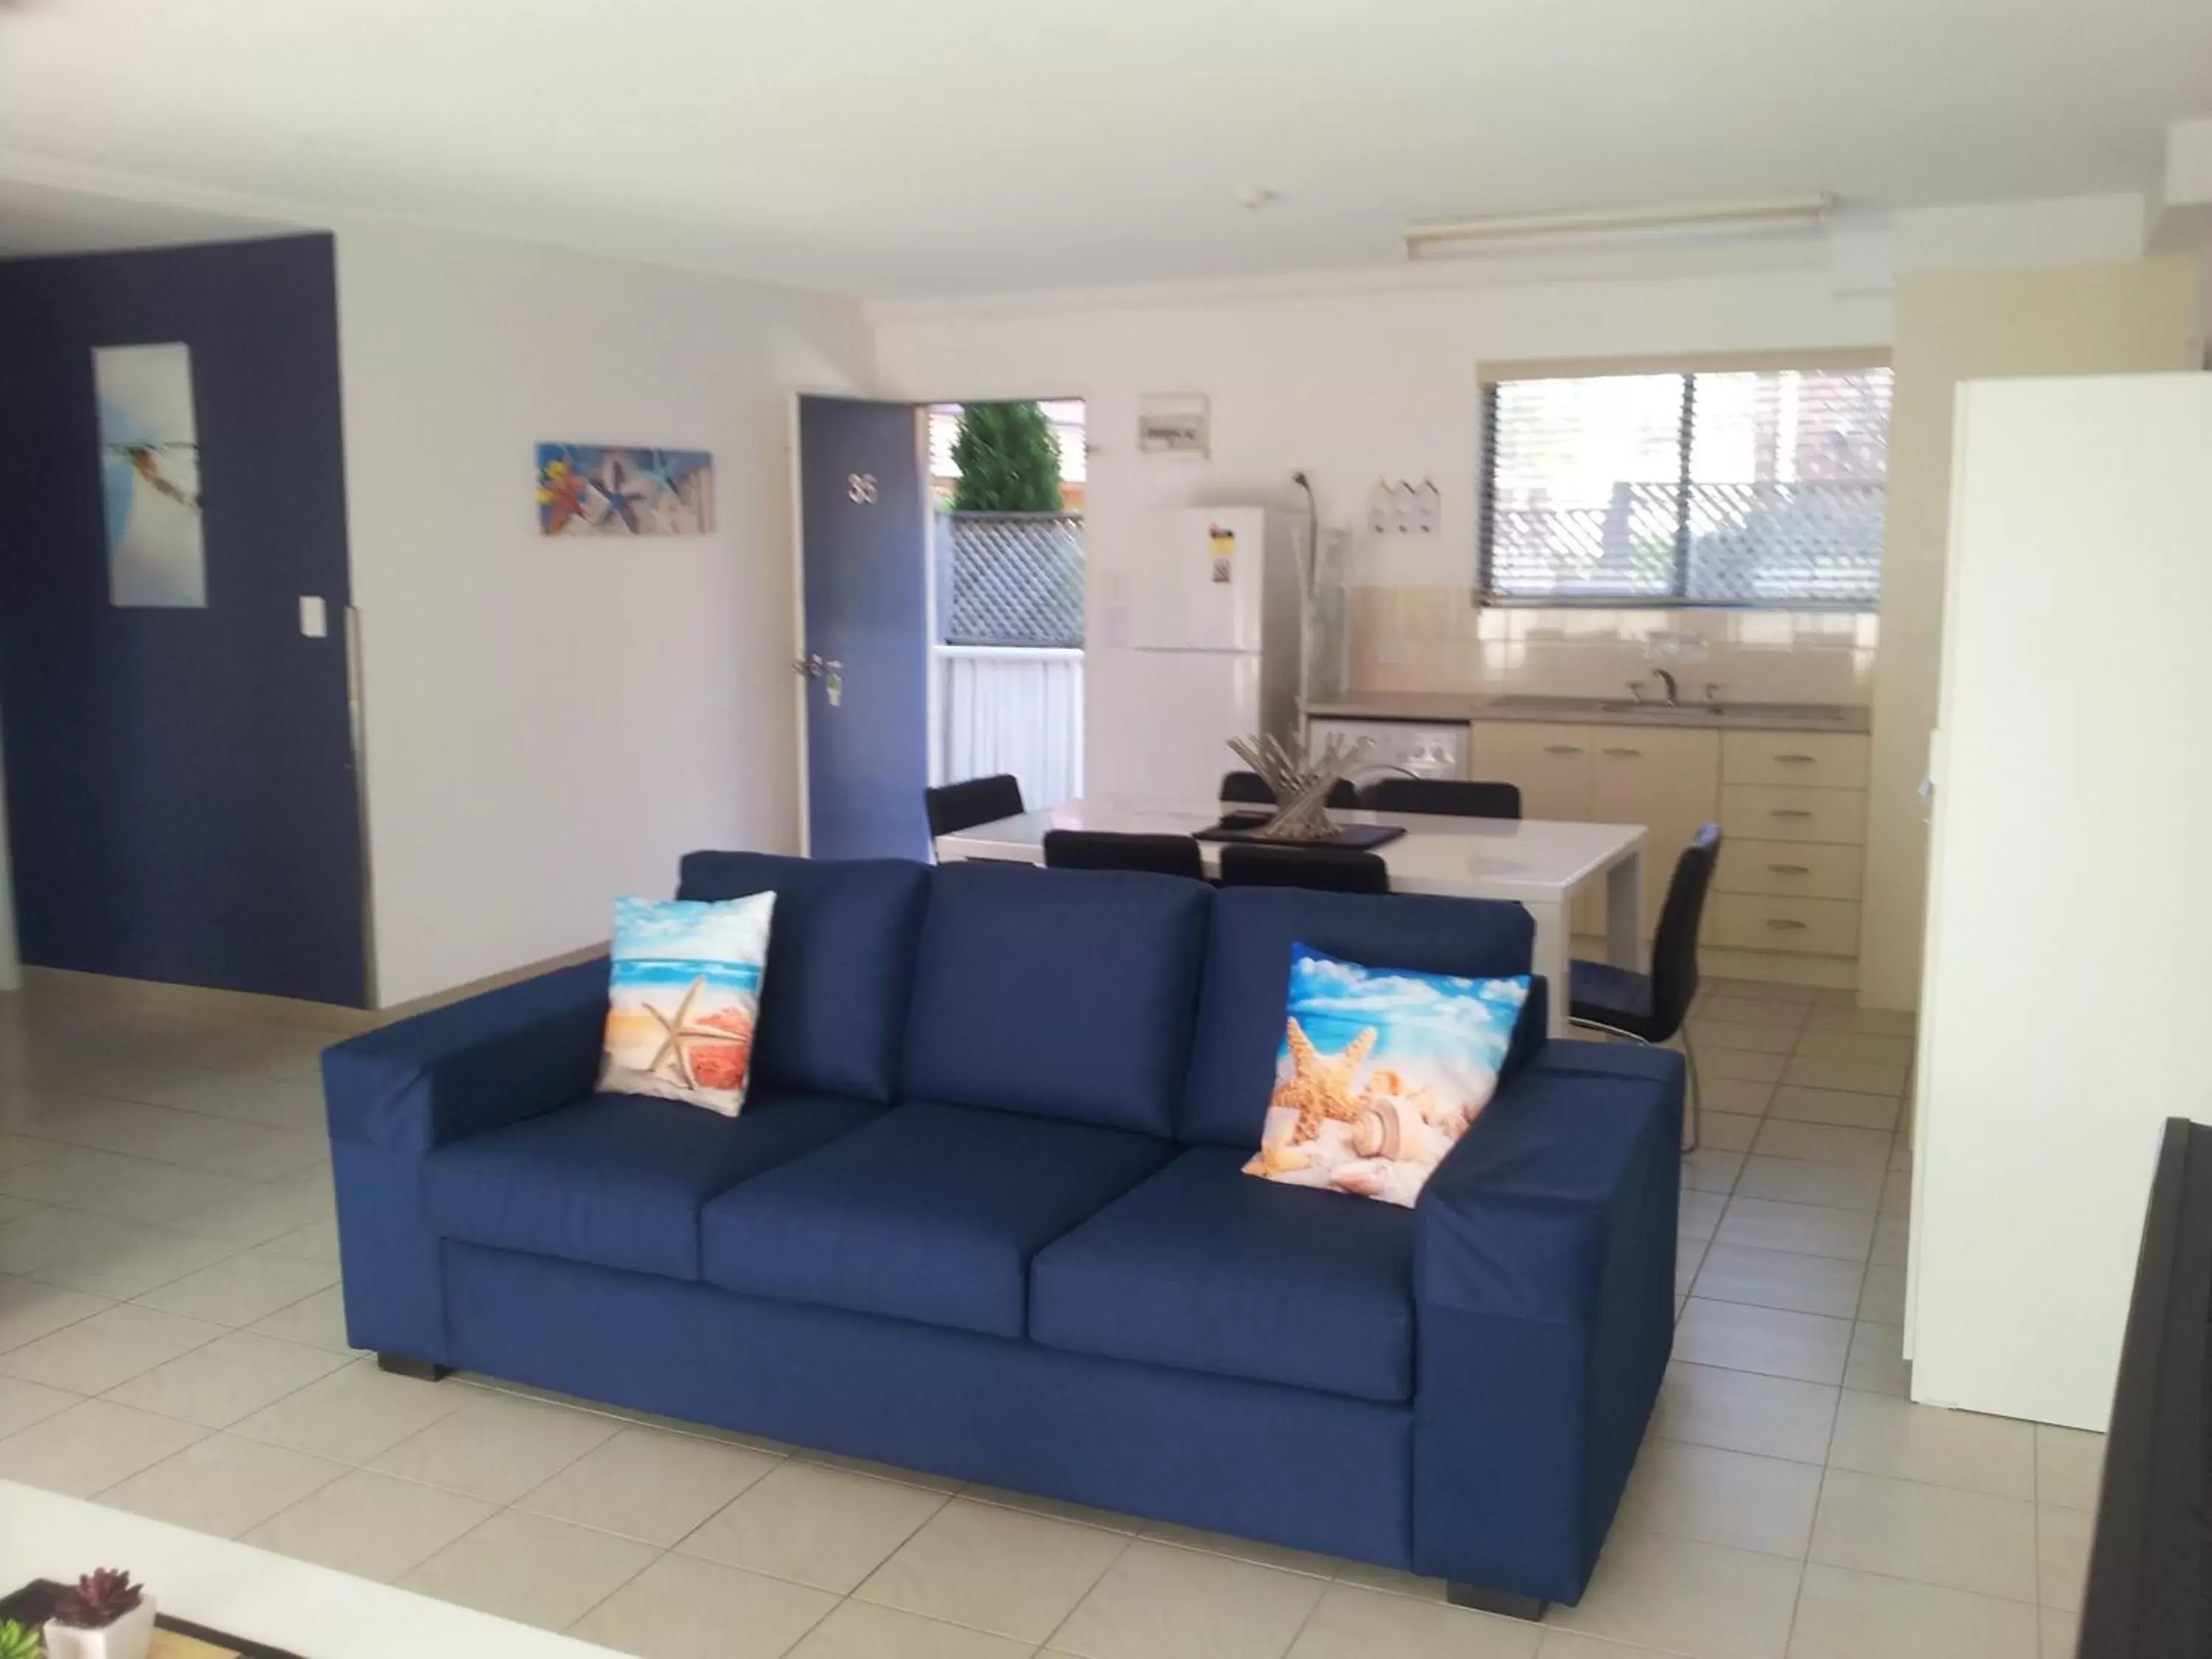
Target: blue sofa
[(983, 1215)]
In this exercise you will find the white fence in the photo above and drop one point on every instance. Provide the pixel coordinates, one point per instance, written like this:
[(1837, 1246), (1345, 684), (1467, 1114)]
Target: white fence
[(1010, 708)]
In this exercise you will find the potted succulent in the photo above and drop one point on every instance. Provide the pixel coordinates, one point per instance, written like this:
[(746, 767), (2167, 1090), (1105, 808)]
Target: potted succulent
[(16, 1643), (103, 1616)]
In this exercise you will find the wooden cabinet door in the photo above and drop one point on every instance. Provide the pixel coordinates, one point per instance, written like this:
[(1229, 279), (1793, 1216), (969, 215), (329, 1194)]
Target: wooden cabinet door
[(1666, 779), (1551, 764)]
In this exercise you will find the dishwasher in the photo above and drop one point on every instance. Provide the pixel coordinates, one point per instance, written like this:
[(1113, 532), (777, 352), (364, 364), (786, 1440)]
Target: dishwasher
[(1422, 749)]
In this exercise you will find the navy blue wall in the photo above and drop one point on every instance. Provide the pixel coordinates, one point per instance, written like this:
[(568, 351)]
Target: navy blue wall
[(180, 784)]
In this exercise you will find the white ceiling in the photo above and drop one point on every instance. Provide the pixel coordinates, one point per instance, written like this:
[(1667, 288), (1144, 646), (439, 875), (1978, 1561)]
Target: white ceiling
[(886, 147)]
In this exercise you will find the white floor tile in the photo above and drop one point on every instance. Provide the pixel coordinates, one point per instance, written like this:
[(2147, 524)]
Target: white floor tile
[(1931, 1535), (223, 1485), (1803, 1180), (1805, 1229), (1351, 1623), (2062, 1551), (242, 1288), (1826, 1143), (997, 1570), (1742, 1410), (1780, 1279), (1719, 1497), (1739, 1065), (225, 1379), (1842, 1614), (530, 1569), (111, 1346), (1876, 1364), (1700, 1214), (2069, 1467), (681, 1607), (353, 1414), (22, 1404), (1882, 1299), (319, 1321), (1879, 1435), (29, 1309), (861, 1630), (1859, 1076), (91, 1446), (815, 1526), (369, 1525), (496, 1448), (1821, 1043), (1770, 1340), (648, 1484), (1684, 1597), (1159, 1602), (1709, 1170), (100, 1254), (1729, 1131), (1757, 1039)]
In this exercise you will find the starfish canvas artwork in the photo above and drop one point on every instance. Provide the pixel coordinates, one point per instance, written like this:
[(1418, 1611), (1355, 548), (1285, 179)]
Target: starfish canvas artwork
[(610, 490), (150, 476), (1380, 1071), (683, 996)]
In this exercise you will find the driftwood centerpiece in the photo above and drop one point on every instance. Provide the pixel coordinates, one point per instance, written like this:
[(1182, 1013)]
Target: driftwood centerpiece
[(1301, 782)]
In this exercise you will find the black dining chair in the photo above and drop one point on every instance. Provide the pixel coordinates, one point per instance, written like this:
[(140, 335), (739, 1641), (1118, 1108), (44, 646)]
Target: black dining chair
[(1332, 869), (956, 806), (1107, 849), (1651, 1008), (1444, 797), (1250, 789)]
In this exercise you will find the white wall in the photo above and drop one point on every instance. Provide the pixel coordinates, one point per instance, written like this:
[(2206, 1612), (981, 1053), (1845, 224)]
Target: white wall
[(551, 722), (1377, 379)]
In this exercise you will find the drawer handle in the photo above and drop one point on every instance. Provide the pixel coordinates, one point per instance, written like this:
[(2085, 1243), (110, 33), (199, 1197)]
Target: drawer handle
[(1562, 749), (1791, 869), (1795, 760), (1631, 754), (1789, 812), (1785, 924)]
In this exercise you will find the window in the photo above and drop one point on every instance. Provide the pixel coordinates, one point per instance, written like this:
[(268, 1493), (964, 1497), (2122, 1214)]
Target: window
[(1752, 488)]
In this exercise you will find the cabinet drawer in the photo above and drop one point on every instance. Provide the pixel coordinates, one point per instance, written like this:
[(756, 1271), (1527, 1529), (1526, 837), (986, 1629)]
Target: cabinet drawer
[(1761, 811), (1797, 869), (1755, 921), (1549, 764), (1820, 760)]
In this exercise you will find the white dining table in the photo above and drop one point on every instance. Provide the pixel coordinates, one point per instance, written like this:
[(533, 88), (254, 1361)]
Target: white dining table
[(1536, 863)]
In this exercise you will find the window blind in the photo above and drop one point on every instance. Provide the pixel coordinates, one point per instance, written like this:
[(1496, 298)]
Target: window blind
[(1743, 487)]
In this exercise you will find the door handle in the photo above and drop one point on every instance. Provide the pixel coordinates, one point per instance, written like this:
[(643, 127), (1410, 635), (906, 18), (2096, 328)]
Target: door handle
[(815, 666), (1790, 812), (1626, 754), (1791, 869), (1794, 760), (1785, 924), (1561, 749)]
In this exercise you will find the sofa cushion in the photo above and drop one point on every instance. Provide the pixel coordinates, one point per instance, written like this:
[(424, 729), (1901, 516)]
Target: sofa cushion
[(1248, 972), (931, 1212), (618, 1179), (1203, 1269), (840, 965), (1064, 994)]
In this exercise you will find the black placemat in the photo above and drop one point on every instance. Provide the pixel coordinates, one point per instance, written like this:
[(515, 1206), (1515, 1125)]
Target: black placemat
[(33, 1605), (1352, 837)]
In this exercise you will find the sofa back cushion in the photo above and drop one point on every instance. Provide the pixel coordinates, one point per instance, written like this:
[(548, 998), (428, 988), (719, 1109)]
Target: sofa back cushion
[(1064, 994), (1248, 973), (840, 965)]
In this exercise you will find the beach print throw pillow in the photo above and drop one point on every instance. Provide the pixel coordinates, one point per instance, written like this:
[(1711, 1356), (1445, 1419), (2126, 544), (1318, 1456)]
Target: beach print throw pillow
[(682, 998), (1381, 1071)]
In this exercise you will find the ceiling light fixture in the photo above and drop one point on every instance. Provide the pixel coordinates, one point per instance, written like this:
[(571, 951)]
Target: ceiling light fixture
[(1427, 238)]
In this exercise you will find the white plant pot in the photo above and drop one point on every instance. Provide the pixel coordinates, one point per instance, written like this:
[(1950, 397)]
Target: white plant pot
[(128, 1638)]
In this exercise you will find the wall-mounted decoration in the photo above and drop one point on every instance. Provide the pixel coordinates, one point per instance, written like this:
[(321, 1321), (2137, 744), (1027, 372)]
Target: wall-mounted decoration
[(605, 489), (1174, 424), (150, 476), (1404, 508)]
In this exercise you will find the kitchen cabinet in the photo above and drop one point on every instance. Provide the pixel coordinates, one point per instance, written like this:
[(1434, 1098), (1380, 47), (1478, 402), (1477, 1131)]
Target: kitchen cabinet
[(1791, 806)]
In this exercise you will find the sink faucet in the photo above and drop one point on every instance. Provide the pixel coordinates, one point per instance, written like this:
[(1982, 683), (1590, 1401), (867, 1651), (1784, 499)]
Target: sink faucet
[(1674, 691)]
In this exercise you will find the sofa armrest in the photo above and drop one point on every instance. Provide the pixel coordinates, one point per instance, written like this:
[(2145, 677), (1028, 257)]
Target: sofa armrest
[(471, 1066), (1544, 1286)]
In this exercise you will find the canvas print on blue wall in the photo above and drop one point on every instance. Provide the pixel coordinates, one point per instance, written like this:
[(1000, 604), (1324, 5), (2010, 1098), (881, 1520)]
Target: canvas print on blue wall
[(601, 490), (150, 476)]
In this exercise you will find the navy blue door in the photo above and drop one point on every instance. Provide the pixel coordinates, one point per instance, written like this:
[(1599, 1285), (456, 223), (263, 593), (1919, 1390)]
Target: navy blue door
[(864, 522)]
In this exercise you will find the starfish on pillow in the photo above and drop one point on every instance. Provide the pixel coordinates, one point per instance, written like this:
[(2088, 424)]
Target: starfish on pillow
[(678, 1033)]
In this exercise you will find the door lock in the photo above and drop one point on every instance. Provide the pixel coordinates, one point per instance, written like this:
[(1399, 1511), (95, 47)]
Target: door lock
[(828, 670)]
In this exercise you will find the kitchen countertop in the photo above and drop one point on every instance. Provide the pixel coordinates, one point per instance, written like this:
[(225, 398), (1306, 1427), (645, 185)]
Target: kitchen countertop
[(1451, 709)]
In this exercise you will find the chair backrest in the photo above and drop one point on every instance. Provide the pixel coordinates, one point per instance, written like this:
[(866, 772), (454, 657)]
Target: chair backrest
[(1330, 869), (1674, 946), (956, 806), (1105, 849), (1250, 789), (1450, 797)]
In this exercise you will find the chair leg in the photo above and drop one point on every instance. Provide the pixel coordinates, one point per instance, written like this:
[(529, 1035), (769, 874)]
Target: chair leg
[(1695, 1122)]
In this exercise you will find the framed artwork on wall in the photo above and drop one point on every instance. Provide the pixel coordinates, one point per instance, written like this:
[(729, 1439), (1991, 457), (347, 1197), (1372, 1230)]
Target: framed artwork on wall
[(607, 490), (150, 476)]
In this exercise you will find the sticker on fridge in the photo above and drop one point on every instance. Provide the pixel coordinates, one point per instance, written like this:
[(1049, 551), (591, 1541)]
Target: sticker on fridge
[(1222, 545)]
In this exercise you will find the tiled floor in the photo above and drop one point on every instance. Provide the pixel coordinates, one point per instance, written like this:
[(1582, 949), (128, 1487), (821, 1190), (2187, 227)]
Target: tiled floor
[(170, 1342)]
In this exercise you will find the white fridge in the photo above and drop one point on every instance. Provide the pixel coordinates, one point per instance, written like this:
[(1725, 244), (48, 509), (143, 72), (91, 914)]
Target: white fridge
[(1215, 621), (2069, 967)]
